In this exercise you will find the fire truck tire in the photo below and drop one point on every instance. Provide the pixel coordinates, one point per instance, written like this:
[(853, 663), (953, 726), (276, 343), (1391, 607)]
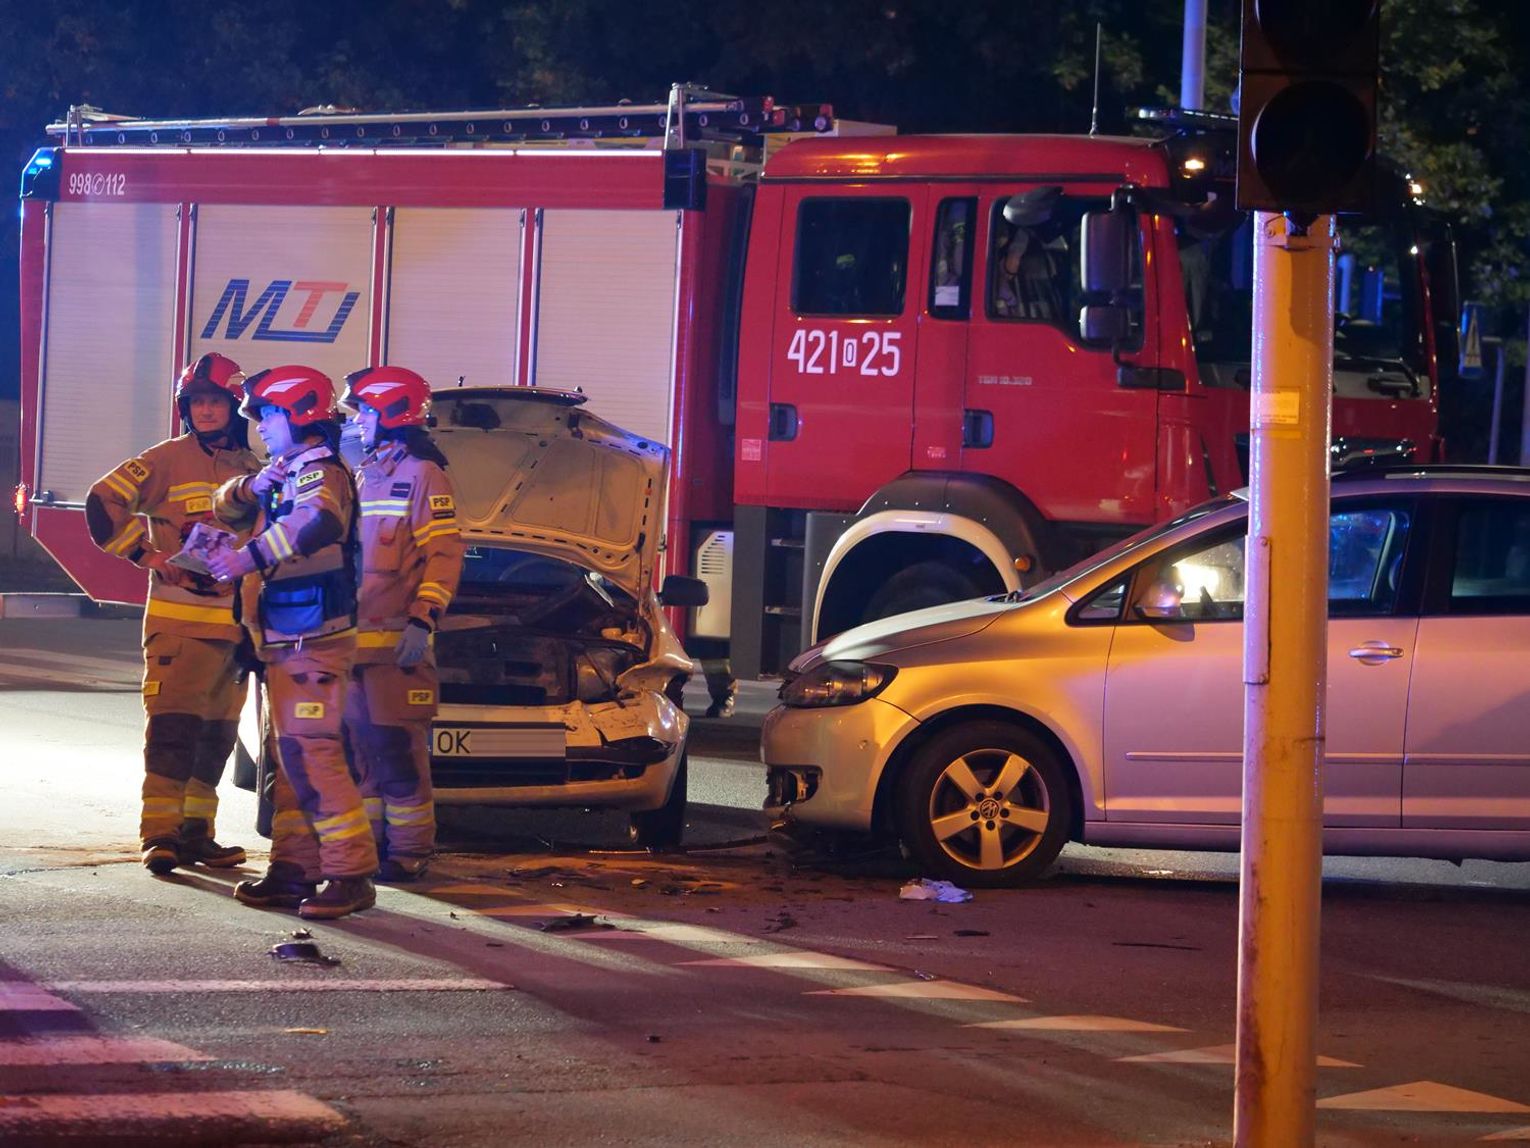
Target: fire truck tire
[(1004, 833), (920, 585), (664, 827)]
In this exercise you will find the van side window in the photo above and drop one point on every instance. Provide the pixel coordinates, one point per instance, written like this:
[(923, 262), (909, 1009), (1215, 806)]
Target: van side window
[(1492, 560), (1033, 272), (951, 259), (851, 256)]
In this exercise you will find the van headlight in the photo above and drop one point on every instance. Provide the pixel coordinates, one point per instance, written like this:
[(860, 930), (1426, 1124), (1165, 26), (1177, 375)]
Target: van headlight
[(836, 684)]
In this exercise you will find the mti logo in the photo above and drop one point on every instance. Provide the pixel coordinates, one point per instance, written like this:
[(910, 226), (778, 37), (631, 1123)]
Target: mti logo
[(266, 307)]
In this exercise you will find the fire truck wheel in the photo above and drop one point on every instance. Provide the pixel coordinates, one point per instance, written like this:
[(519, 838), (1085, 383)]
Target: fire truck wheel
[(984, 804), (662, 828), (920, 585)]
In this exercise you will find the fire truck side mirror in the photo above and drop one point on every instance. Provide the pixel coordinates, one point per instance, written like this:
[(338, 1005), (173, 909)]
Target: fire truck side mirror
[(1104, 323), (1105, 252)]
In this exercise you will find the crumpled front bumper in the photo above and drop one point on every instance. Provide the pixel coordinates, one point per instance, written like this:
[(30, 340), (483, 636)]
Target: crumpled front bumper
[(823, 765)]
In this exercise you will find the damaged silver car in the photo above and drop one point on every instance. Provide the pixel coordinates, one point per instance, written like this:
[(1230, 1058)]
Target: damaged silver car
[(560, 678)]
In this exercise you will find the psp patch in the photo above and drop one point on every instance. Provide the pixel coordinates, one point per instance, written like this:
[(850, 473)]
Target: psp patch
[(201, 505), (306, 480), (441, 506), (150, 689), (308, 710), (401, 490), (422, 697), (136, 469)]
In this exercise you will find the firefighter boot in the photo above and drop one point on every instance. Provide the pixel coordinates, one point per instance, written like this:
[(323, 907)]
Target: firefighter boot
[(198, 847), (161, 855), (401, 870), (283, 887), (340, 897)]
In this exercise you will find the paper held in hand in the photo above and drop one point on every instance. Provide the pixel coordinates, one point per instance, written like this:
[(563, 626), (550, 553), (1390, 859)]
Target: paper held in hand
[(201, 544)]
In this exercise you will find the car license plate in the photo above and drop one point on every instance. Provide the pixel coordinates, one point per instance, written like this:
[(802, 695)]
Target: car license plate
[(533, 741)]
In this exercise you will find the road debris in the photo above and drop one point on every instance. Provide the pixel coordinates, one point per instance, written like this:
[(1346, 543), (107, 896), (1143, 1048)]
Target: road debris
[(782, 920), (301, 952), (970, 932), (925, 889), (570, 924)]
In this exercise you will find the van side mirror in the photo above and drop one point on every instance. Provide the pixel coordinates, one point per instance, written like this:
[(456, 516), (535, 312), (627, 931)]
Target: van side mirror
[(680, 590)]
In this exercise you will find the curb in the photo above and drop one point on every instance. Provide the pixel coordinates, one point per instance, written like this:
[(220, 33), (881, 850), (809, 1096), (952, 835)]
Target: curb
[(42, 605)]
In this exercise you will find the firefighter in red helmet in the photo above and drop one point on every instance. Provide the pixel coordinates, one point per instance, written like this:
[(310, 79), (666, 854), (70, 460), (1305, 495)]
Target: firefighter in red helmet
[(411, 558), (143, 511), (298, 598)]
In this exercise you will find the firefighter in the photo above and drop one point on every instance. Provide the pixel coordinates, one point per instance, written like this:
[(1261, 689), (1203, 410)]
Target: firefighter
[(411, 558), (193, 685), (301, 610)]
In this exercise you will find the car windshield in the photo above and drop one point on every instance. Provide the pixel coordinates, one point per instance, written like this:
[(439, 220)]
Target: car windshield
[(1125, 545)]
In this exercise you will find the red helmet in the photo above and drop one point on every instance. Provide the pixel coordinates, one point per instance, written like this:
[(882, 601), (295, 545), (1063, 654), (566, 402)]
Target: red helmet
[(212, 374), (305, 394), (400, 397)]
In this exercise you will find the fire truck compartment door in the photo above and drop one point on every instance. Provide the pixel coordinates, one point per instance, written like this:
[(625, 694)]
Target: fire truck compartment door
[(842, 362), (108, 356), (275, 285), (605, 313), (454, 293)]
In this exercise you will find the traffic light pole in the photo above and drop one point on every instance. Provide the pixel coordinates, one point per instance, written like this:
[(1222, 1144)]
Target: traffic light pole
[(1285, 680)]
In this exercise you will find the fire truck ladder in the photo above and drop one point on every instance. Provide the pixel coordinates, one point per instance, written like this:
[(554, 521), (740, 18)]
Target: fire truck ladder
[(692, 115)]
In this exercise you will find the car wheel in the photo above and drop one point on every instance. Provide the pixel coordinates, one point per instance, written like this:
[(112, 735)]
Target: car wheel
[(664, 827), (985, 804), (922, 584)]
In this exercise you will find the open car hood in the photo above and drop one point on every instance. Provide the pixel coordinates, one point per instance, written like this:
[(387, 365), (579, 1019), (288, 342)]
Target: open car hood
[(534, 470)]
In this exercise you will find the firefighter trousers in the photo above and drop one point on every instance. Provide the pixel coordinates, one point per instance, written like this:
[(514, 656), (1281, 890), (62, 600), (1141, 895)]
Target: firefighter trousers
[(319, 825), (193, 690), (388, 711)]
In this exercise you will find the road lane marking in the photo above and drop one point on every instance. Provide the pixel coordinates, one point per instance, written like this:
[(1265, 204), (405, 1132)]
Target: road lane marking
[(458, 985), (33, 1052), (797, 959), (1511, 1134), (922, 990), (683, 934), (1216, 1054), (83, 1114), (1079, 1024), (24, 996), (1421, 1096)]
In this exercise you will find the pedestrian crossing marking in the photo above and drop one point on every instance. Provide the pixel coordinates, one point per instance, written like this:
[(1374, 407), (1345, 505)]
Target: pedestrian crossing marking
[(1216, 1054), (1421, 1096), (677, 933), (1079, 1024), (81, 1114), (921, 990), (791, 960), (35, 1052), (458, 984), (24, 996)]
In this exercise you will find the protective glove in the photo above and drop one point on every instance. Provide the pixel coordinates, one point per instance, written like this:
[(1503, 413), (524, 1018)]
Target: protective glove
[(413, 644)]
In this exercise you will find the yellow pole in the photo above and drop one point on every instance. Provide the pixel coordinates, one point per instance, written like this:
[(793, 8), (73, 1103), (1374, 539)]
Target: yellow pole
[(1285, 679)]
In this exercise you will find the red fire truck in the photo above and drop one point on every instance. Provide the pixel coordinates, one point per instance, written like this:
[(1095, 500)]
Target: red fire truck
[(893, 370)]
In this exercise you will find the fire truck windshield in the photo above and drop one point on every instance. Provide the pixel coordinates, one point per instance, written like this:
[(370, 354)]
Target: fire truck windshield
[(1378, 322)]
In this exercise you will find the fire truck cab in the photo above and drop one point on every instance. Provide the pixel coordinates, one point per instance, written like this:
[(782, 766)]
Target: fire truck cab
[(966, 360)]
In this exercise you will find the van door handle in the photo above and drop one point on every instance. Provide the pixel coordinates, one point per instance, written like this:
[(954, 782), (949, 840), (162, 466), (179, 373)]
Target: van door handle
[(783, 422), (1374, 653)]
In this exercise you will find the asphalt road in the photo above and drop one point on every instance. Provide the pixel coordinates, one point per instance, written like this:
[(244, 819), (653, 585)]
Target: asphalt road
[(549, 986)]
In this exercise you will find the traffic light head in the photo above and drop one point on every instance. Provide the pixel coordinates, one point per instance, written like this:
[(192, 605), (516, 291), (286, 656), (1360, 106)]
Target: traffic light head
[(1307, 105)]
